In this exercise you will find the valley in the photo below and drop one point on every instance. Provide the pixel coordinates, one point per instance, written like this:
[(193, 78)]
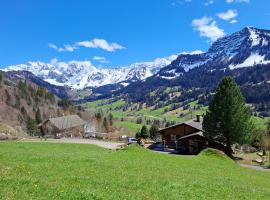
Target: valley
[(134, 100)]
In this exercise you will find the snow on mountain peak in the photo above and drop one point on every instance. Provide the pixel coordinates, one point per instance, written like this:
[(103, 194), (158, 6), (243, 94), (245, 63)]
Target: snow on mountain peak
[(81, 74), (246, 48)]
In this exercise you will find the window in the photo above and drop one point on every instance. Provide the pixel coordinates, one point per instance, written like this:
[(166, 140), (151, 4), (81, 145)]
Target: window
[(173, 137)]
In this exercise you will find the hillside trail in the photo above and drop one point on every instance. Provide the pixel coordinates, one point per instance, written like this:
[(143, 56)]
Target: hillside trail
[(105, 144)]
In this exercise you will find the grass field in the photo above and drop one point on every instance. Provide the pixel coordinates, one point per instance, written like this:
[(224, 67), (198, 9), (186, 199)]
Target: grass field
[(73, 171), (131, 126), (162, 113)]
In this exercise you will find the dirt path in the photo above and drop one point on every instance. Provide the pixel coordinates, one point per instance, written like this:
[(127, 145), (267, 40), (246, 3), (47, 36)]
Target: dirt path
[(104, 144), (259, 168)]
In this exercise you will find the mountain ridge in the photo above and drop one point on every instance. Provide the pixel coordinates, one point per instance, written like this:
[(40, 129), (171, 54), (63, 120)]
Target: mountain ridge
[(83, 74), (245, 48)]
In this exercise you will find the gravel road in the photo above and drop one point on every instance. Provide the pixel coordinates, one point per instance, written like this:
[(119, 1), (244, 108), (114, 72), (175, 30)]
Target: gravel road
[(104, 144)]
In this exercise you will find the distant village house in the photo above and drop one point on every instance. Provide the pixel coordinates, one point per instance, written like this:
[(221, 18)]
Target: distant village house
[(65, 126)]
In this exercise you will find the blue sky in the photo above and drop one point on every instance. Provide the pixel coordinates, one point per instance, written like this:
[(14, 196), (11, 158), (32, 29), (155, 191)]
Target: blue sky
[(119, 32)]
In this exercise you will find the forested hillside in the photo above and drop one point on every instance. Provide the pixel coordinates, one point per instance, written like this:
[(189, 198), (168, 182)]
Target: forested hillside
[(23, 105)]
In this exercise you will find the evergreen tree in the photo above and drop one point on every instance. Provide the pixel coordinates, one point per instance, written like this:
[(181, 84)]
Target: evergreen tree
[(110, 119), (8, 97), (64, 103), (267, 142), (31, 126), (38, 116), (17, 101), (154, 132), (138, 135), (144, 132), (1, 78), (105, 124), (23, 111), (227, 120)]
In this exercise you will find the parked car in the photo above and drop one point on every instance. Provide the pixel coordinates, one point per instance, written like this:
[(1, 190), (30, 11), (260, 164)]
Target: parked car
[(132, 141)]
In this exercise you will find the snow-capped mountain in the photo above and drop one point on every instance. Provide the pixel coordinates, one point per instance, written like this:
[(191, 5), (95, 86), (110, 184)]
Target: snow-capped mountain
[(246, 48), (82, 74)]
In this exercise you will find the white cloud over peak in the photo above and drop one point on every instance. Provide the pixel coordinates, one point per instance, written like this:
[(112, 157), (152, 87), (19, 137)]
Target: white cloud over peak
[(100, 43), (228, 15), (54, 61), (95, 43), (195, 52), (208, 28), (100, 59)]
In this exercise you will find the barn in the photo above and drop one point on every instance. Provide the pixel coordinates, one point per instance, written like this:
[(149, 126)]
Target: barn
[(187, 137), (65, 126)]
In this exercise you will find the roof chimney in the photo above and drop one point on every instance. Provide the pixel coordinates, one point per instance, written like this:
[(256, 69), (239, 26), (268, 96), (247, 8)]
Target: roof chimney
[(198, 118)]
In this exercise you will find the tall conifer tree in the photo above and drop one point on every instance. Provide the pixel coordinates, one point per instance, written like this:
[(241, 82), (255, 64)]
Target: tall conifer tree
[(228, 119)]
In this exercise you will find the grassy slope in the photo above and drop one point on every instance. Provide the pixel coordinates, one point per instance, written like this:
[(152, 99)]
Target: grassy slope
[(72, 171), (133, 127), (159, 113)]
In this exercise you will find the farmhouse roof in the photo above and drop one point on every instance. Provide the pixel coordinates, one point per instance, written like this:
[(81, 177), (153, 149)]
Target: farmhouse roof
[(200, 133), (66, 122), (193, 123)]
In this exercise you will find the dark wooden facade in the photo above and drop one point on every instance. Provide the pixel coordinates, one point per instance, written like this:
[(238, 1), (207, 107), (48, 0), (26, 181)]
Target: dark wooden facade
[(172, 134), (187, 138)]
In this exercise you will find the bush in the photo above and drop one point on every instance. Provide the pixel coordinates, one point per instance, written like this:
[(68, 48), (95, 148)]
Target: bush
[(139, 120)]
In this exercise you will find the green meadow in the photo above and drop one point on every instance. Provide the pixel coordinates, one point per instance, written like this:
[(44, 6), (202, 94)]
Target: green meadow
[(44, 170), (129, 116)]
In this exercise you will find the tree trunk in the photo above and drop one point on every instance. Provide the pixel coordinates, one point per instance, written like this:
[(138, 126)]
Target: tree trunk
[(228, 150)]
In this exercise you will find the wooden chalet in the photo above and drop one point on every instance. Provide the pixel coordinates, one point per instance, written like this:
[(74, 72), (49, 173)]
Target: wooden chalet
[(65, 126), (187, 137)]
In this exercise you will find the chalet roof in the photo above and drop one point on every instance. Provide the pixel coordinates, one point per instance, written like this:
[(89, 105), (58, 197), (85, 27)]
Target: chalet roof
[(199, 133), (66, 122), (193, 123)]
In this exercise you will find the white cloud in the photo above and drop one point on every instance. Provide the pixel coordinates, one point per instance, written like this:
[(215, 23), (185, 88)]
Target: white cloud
[(54, 61), (53, 46), (180, 2), (100, 59), (195, 52), (228, 15), (237, 1), (208, 28), (233, 21), (95, 43), (66, 47), (100, 43), (209, 2)]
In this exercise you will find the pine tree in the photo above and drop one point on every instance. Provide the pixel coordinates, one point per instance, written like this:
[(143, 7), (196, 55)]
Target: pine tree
[(144, 132), (105, 124), (228, 119), (110, 119), (31, 126), (38, 116), (154, 132), (8, 97), (1, 78), (267, 142)]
